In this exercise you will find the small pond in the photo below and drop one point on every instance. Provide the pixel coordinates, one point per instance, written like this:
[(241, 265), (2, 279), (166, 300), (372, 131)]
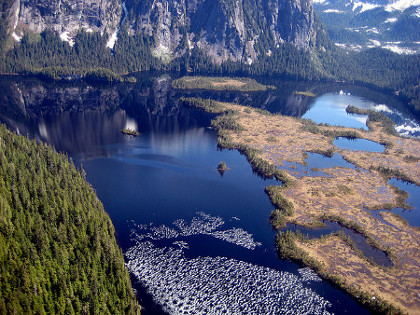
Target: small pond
[(315, 163), (356, 144)]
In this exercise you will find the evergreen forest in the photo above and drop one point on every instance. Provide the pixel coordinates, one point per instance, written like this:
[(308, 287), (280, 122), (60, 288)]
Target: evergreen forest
[(48, 56), (58, 252)]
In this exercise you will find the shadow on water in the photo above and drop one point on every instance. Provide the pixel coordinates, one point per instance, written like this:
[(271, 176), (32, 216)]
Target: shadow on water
[(168, 172)]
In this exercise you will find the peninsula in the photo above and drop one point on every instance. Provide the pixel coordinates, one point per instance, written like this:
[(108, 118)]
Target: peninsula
[(219, 84), (347, 196)]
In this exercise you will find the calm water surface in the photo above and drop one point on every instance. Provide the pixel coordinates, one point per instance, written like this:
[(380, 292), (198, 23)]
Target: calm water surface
[(192, 236), (411, 215), (358, 144), (331, 109)]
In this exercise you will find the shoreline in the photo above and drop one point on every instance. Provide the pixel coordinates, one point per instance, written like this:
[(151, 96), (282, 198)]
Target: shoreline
[(269, 139)]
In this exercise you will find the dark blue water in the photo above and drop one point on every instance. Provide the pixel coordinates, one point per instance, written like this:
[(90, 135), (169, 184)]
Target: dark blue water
[(358, 144), (359, 240), (161, 177), (411, 215), (167, 173)]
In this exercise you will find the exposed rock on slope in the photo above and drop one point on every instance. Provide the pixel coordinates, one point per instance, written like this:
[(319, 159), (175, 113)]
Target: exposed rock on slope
[(361, 24), (239, 30), (66, 17)]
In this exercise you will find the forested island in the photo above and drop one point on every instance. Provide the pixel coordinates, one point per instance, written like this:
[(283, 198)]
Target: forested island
[(344, 195), (58, 249)]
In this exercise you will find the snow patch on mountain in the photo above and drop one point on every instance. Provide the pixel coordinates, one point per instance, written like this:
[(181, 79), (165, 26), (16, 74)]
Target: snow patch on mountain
[(391, 20), (401, 5), (65, 37), (373, 30), (333, 11), (365, 6), (399, 50), (112, 40), (374, 43), (114, 37), (16, 37)]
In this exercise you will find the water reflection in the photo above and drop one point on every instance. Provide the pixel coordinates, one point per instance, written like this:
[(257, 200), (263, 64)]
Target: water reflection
[(331, 109), (169, 172)]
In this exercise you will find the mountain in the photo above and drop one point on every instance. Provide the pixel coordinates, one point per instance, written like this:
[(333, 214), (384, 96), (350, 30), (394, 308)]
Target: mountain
[(361, 24), (65, 17), (107, 40), (237, 30)]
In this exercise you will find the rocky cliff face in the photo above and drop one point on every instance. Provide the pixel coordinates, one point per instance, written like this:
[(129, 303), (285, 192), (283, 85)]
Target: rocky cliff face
[(66, 17), (239, 30)]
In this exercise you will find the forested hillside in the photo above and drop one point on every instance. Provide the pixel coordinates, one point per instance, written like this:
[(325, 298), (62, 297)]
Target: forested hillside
[(58, 252), (143, 44), (48, 55)]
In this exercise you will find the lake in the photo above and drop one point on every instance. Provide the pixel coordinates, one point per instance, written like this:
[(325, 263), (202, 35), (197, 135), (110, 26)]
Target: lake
[(195, 241)]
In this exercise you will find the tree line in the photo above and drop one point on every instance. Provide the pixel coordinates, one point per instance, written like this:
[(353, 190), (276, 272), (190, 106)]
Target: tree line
[(47, 54)]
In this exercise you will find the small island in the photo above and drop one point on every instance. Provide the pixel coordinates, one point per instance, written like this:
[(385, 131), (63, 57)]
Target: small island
[(219, 84), (130, 132), (221, 168), (304, 93)]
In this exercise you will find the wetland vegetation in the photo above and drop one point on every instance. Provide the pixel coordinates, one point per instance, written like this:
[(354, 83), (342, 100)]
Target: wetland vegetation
[(130, 132), (241, 84), (268, 140), (222, 166)]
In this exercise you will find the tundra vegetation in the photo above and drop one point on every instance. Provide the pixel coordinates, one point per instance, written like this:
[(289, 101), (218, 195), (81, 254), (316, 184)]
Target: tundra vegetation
[(219, 84), (346, 196)]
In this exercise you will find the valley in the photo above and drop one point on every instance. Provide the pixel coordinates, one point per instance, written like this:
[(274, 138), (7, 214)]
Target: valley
[(172, 208), (232, 157)]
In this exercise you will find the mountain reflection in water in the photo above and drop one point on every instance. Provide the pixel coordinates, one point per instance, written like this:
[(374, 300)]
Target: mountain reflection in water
[(169, 172)]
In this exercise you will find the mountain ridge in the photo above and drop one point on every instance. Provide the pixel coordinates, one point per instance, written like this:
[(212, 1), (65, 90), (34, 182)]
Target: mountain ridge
[(236, 30), (361, 24)]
